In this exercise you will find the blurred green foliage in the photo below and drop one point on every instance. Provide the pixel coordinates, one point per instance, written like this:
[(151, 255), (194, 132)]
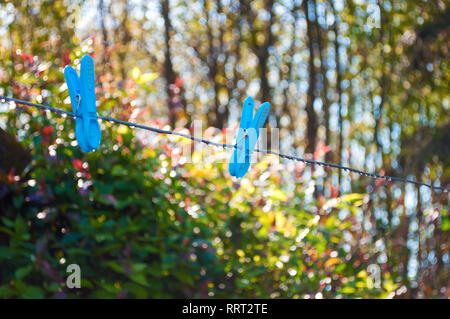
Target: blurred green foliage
[(138, 230), (141, 223)]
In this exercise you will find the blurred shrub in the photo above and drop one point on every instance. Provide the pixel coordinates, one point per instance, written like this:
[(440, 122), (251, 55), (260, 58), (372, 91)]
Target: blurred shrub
[(143, 226)]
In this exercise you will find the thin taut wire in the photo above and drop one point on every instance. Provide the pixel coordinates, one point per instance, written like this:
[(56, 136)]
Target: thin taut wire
[(196, 139)]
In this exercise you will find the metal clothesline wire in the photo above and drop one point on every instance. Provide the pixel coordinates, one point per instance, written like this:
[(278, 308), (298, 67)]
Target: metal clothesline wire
[(207, 142)]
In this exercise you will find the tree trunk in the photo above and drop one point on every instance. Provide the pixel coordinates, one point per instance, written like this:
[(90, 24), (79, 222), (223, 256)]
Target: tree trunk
[(323, 72), (264, 53), (290, 75), (311, 129), (169, 73), (338, 85), (222, 112)]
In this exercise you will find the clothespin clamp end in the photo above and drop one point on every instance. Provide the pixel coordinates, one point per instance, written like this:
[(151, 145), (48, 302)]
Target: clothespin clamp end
[(247, 137), (82, 96)]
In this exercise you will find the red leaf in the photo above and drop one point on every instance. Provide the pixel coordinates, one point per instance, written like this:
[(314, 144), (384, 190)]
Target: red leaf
[(185, 241), (321, 150), (77, 164), (11, 178), (47, 130), (379, 181), (179, 82), (66, 58), (334, 191)]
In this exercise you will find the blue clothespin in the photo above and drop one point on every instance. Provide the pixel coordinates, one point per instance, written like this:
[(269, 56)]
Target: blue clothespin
[(82, 97), (247, 136)]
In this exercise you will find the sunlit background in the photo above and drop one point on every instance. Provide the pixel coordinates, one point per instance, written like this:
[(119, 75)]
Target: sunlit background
[(361, 83)]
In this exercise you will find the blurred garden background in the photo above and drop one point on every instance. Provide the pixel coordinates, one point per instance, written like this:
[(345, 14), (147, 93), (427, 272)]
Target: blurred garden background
[(362, 83)]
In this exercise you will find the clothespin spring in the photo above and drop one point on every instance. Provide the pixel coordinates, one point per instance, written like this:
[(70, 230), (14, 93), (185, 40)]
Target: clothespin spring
[(78, 97), (244, 136)]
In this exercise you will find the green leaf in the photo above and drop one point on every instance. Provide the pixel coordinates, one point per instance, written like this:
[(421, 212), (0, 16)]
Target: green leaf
[(23, 271), (33, 292), (115, 266), (445, 224), (139, 278), (347, 290), (184, 277)]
